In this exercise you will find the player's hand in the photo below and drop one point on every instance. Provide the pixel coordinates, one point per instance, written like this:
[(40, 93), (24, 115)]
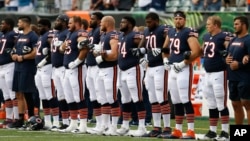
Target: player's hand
[(229, 59), (144, 63), (83, 44), (234, 65), (74, 64), (14, 57), (179, 66), (138, 51), (41, 63), (166, 64), (97, 50), (26, 49), (99, 59), (156, 51), (186, 55), (19, 58), (223, 53), (245, 59), (45, 51), (57, 43)]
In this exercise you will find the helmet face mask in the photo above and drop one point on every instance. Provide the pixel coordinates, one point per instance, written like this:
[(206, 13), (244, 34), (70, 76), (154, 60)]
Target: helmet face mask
[(35, 123)]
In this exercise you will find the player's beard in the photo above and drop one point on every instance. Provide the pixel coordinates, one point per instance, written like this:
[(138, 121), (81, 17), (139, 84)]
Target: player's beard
[(58, 27), (42, 31), (20, 28), (124, 29), (93, 25), (238, 32), (72, 29), (179, 26)]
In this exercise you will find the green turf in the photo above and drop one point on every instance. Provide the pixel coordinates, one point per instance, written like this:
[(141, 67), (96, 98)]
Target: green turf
[(201, 127)]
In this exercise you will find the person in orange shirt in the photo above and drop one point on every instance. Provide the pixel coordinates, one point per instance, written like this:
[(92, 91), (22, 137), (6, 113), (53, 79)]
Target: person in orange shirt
[(248, 5)]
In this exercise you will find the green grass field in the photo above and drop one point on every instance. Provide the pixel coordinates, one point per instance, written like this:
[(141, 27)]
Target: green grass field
[(201, 127)]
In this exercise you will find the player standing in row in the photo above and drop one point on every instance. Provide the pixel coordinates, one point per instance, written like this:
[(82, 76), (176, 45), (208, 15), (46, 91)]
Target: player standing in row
[(156, 75), (106, 57), (239, 70), (215, 85), (25, 69), (130, 76), (74, 78), (181, 40), (43, 77), (7, 42), (93, 69), (60, 34)]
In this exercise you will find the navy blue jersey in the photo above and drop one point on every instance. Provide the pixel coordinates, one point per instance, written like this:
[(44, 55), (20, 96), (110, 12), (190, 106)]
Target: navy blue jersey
[(155, 39), (105, 39), (71, 52), (42, 44), (7, 42), (94, 37), (29, 40), (213, 45), (178, 43), (126, 59), (238, 48), (56, 55)]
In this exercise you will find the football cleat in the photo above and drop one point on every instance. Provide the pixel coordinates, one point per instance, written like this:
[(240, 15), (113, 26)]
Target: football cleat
[(153, 133), (139, 132), (210, 135), (189, 135)]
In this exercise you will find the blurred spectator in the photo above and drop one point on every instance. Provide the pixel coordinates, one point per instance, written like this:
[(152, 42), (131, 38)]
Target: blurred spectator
[(240, 3), (144, 4), (212, 5), (95, 5), (25, 6), (158, 5), (2, 5), (152, 5), (107, 5), (197, 5), (226, 3), (65, 5), (248, 5), (124, 5), (102, 5), (11, 5)]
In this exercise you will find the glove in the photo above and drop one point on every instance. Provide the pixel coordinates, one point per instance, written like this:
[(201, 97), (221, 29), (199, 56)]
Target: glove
[(26, 49), (75, 63), (97, 49), (8, 50), (186, 54), (83, 43), (166, 64), (90, 46), (45, 51), (224, 53), (138, 51), (144, 63), (42, 63), (99, 59), (156, 51), (179, 66), (57, 43)]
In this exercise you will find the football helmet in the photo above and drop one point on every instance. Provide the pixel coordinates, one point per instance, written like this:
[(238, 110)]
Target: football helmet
[(35, 123)]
